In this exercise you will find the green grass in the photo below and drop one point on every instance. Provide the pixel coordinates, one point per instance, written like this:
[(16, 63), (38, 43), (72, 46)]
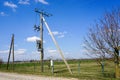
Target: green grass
[(89, 69)]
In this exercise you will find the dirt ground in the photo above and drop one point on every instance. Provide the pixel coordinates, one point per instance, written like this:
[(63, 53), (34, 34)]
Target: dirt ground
[(15, 76)]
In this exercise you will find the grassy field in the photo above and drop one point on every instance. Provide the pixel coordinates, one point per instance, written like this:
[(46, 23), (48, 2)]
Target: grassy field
[(88, 70)]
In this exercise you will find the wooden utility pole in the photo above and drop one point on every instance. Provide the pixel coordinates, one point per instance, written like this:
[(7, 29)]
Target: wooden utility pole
[(11, 50), (41, 38), (57, 46), (40, 28)]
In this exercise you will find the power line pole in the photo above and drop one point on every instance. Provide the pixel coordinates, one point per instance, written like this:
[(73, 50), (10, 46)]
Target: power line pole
[(41, 38), (40, 28), (11, 50)]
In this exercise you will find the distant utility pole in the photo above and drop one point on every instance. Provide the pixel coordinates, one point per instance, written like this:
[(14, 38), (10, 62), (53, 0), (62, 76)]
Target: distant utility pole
[(40, 28), (11, 50)]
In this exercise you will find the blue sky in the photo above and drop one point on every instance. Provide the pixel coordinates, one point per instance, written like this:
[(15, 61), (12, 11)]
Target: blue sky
[(69, 23)]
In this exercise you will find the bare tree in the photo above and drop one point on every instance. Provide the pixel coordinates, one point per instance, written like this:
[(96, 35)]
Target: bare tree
[(104, 37)]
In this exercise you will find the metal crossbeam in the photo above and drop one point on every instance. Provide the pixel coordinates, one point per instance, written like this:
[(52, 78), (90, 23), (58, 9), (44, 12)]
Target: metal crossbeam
[(42, 12)]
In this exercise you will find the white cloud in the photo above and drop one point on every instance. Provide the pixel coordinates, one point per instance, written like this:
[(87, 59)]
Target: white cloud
[(25, 2), (4, 51), (19, 51), (55, 33), (59, 34), (33, 39), (35, 52), (54, 54), (10, 4), (52, 51), (3, 14), (42, 1), (118, 30)]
